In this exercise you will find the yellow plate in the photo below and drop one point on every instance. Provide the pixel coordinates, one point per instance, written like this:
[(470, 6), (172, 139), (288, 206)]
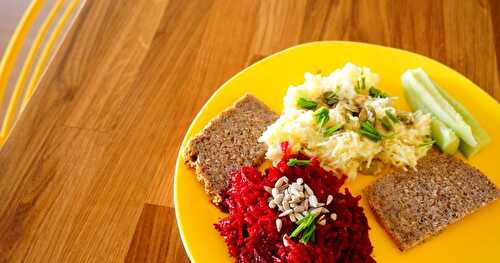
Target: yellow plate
[(474, 239)]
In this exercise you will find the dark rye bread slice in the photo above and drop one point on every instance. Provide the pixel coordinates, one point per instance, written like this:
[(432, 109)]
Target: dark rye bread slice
[(228, 142), (413, 206)]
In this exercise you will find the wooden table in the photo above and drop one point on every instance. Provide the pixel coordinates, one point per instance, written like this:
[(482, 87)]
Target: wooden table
[(86, 174)]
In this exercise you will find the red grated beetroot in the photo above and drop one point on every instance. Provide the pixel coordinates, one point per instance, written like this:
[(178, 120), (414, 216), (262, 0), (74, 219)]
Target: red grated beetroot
[(250, 231)]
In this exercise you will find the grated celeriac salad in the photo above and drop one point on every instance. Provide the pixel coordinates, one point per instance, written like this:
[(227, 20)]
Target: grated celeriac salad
[(345, 121)]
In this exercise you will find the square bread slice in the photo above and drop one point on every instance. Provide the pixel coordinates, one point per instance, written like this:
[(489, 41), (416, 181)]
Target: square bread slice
[(413, 206), (228, 142)]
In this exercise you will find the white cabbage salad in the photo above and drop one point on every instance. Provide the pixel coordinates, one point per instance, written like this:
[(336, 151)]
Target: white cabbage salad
[(345, 121)]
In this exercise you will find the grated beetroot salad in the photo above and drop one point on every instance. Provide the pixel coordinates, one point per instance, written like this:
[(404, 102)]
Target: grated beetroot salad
[(250, 231)]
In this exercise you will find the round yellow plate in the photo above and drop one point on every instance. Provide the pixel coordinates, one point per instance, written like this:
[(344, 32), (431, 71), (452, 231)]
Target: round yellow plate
[(474, 239)]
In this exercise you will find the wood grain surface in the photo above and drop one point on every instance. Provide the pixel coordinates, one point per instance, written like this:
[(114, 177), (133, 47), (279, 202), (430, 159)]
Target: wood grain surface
[(86, 175)]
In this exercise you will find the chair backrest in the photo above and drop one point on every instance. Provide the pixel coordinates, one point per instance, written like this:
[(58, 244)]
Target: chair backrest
[(23, 89)]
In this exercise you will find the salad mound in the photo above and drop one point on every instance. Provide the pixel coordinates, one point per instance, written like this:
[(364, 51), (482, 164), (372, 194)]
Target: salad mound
[(348, 123), (250, 231)]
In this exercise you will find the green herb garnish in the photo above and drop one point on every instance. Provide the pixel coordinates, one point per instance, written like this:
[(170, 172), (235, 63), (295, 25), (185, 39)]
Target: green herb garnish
[(357, 86), (427, 143), (322, 116), (376, 93), (330, 131), (308, 234), (294, 162), (363, 83), (306, 226), (306, 104), (391, 116), (369, 131), (386, 123)]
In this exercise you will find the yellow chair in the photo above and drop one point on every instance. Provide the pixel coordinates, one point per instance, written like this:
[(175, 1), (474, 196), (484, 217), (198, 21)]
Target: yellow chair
[(21, 90)]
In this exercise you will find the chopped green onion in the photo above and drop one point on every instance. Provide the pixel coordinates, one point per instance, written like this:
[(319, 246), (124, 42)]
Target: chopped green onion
[(390, 135), (391, 116), (308, 234), (376, 93), (322, 116), (304, 225), (386, 123), (366, 125), (330, 131), (427, 143), (357, 86), (369, 131), (306, 104), (294, 162), (370, 135)]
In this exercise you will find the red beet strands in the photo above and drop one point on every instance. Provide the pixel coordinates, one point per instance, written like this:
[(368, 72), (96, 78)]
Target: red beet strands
[(250, 231)]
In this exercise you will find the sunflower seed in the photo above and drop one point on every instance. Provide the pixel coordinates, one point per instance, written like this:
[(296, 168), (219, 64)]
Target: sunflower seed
[(280, 181), (279, 198), (294, 192), (325, 210), (292, 218), (298, 209), (287, 212), (321, 204), (300, 181), (296, 199), (313, 201), (329, 199), (285, 242), (321, 217), (309, 191), (272, 204), (279, 224), (293, 205), (286, 206), (333, 216), (322, 222)]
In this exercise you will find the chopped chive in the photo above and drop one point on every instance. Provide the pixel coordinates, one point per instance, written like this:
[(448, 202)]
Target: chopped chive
[(330, 131), (303, 224), (322, 116), (369, 135), (308, 234), (427, 143), (376, 93), (390, 135), (391, 116), (294, 162), (367, 126), (306, 104), (357, 87), (386, 123)]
